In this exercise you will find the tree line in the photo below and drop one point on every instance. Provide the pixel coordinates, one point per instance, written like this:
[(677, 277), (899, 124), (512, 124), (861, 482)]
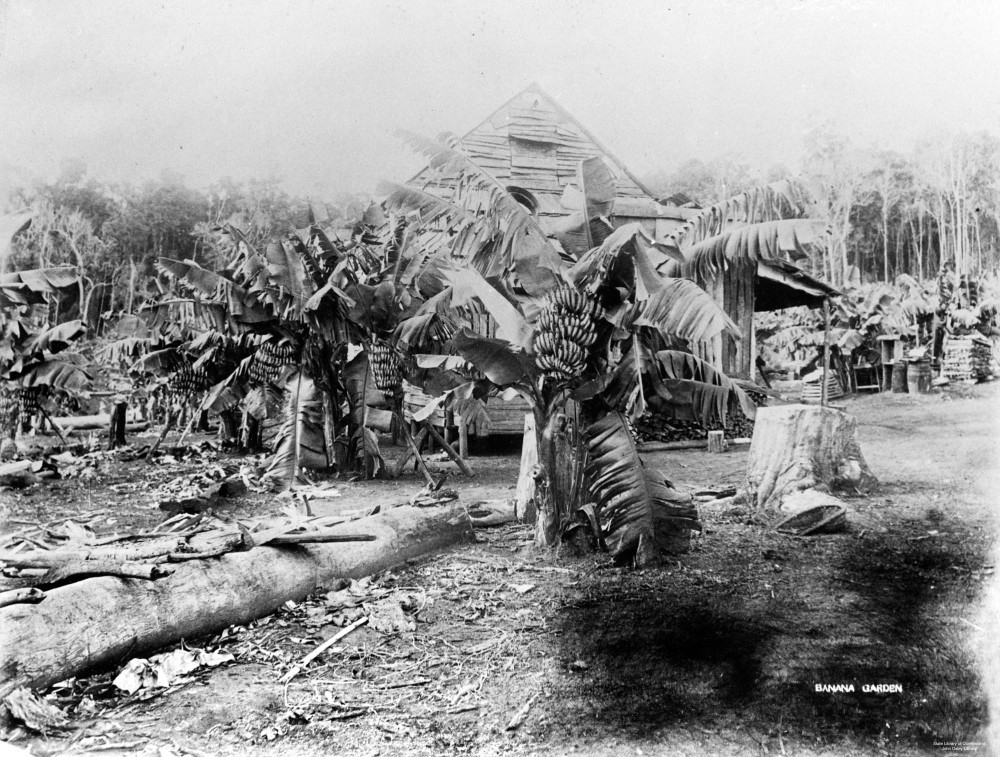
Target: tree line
[(113, 234), (889, 212)]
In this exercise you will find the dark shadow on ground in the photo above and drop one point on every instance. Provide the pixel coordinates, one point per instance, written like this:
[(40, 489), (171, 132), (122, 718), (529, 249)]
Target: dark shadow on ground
[(665, 649)]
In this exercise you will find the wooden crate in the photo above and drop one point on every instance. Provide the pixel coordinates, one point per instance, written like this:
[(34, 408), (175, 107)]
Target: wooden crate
[(966, 358), (506, 416)]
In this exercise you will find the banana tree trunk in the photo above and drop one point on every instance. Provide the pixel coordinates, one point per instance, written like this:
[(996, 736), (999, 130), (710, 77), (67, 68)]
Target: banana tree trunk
[(559, 474)]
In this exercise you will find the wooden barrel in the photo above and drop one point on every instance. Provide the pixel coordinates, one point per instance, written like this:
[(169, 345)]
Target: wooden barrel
[(899, 377), (918, 376)]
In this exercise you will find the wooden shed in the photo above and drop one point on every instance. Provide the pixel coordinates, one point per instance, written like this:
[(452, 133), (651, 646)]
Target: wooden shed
[(533, 147), (745, 287)]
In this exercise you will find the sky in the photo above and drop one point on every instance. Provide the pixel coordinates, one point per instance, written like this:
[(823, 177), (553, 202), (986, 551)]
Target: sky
[(312, 93)]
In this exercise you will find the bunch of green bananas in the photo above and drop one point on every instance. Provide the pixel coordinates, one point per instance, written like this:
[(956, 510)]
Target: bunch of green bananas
[(567, 328), (28, 400), (269, 360), (386, 366), (188, 380)]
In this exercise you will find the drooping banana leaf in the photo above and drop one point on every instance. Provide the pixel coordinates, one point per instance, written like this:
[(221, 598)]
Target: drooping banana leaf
[(11, 224), (300, 442), (468, 285), (264, 402), (161, 361), (369, 454), (781, 200), (623, 260), (641, 514), (63, 373), (41, 280), (442, 230), (695, 390), (290, 281), (624, 391), (680, 308), (496, 358), (522, 246), (54, 339), (241, 304), (792, 239)]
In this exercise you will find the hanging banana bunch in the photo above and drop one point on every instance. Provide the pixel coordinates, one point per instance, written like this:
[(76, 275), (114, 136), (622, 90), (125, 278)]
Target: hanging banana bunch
[(188, 380), (28, 400), (387, 368), (567, 329), (269, 360), (8, 414)]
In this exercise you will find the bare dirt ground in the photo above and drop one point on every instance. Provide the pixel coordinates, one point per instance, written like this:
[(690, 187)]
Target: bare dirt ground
[(717, 653)]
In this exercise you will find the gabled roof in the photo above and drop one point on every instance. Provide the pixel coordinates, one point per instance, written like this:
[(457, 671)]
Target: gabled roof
[(532, 142)]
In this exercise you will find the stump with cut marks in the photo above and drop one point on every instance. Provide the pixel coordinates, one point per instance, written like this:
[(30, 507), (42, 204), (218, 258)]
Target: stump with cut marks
[(796, 448)]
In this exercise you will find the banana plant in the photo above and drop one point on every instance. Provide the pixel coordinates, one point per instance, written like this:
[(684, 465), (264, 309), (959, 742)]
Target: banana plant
[(576, 340), (36, 361)]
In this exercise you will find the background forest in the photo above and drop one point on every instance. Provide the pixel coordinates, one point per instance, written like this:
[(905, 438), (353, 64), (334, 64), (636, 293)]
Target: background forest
[(889, 213)]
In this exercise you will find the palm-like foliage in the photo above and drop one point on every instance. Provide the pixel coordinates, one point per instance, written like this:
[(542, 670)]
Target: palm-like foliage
[(627, 307), (641, 512), (35, 359), (777, 221)]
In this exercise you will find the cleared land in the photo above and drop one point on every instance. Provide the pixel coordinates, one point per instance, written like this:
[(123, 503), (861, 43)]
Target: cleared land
[(717, 653)]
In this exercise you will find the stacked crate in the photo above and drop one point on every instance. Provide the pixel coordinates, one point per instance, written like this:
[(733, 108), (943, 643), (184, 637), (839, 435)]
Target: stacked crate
[(966, 358)]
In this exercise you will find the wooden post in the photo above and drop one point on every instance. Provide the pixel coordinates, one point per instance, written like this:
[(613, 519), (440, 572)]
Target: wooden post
[(448, 449), (463, 436), (116, 430), (397, 469), (826, 351), (716, 441)]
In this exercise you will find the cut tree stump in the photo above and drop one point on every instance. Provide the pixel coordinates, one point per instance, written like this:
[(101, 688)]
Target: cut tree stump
[(101, 622), (803, 447), (716, 441)]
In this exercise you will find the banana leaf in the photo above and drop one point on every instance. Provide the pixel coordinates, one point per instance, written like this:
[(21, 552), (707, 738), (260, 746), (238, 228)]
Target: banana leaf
[(289, 277), (680, 308), (521, 246), (54, 339), (495, 358), (11, 225), (641, 514), (63, 374), (468, 285), (695, 390), (161, 362), (622, 260), (300, 442), (791, 239), (240, 304)]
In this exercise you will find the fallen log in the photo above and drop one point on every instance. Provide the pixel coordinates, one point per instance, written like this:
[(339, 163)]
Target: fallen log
[(29, 595), (98, 622), (684, 444), (496, 512)]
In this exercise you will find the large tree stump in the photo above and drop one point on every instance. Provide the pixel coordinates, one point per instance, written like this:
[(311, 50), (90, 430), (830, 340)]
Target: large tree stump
[(801, 447)]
